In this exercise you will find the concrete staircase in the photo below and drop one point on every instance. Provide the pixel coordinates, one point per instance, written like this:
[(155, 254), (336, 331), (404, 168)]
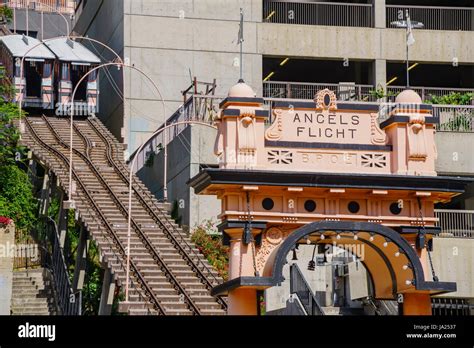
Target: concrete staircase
[(32, 293)]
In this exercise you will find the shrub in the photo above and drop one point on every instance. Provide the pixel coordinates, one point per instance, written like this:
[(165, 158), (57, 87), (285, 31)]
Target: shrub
[(211, 247)]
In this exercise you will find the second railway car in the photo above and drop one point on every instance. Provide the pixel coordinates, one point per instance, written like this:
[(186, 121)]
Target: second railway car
[(36, 88), (51, 71), (73, 61)]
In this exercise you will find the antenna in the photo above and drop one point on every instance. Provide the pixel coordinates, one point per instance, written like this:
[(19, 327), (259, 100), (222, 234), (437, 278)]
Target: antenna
[(241, 41)]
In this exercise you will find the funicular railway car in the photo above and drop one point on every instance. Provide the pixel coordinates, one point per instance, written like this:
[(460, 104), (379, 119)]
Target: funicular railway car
[(73, 61), (35, 89)]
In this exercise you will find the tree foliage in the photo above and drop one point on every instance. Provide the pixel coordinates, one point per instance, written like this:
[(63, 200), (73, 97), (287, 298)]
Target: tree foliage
[(16, 193), (16, 198), (453, 98)]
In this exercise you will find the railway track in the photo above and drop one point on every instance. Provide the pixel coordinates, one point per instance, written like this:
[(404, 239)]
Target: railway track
[(168, 274)]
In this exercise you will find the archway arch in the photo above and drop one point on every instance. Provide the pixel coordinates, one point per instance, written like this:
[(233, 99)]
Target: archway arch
[(392, 263)]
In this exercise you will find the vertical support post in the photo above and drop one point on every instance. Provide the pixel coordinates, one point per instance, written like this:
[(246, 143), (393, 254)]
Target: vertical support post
[(81, 260), (45, 194), (380, 74), (42, 25), (107, 295), (379, 13), (242, 301), (62, 223), (14, 19), (27, 17)]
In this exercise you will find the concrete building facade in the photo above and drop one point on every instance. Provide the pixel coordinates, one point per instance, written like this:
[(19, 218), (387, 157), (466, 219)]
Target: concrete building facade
[(173, 41)]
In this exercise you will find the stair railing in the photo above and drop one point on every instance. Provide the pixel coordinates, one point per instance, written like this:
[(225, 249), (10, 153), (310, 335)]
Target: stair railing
[(68, 301), (300, 287)]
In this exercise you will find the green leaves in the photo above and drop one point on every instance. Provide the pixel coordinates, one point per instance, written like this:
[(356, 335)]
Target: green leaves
[(211, 247), (453, 98), (16, 197)]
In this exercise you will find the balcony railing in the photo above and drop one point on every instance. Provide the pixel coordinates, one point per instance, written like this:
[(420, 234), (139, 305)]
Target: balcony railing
[(62, 6), (426, 93), (434, 18), (455, 223), (318, 13), (307, 90), (455, 118)]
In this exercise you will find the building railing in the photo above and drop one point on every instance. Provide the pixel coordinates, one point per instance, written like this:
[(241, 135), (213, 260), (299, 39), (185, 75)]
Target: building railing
[(62, 6), (455, 223), (455, 118), (318, 13), (426, 93), (434, 17), (300, 287), (307, 90), (27, 255), (68, 301)]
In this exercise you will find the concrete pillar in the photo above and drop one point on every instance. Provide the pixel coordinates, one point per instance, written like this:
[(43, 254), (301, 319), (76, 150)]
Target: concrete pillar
[(107, 295), (62, 221), (417, 304), (7, 246), (379, 13), (242, 301), (380, 74), (81, 260), (45, 194)]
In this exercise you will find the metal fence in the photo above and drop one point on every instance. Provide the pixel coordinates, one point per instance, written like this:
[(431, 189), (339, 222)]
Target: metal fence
[(427, 93), (455, 118), (307, 90), (434, 17), (68, 301), (318, 13), (455, 223), (27, 255), (204, 108), (62, 6)]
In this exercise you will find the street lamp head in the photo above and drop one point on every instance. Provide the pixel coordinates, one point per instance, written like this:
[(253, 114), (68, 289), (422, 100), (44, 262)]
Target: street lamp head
[(417, 25), (404, 24), (399, 24)]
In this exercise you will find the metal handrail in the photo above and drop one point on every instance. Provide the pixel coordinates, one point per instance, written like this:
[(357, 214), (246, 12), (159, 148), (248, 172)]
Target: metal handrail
[(434, 17), (432, 7), (67, 299), (318, 13), (455, 223), (299, 286)]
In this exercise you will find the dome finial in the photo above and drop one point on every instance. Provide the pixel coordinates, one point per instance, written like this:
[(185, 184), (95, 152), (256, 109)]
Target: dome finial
[(408, 96)]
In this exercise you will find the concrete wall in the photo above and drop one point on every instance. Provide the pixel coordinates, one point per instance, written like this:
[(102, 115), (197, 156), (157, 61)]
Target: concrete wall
[(453, 261), (7, 240), (455, 153), (363, 43), (185, 155), (53, 24), (185, 37), (102, 20)]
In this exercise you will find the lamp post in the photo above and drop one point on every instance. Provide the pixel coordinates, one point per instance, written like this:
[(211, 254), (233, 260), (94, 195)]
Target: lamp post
[(59, 13), (408, 25), (130, 178), (132, 164), (117, 64)]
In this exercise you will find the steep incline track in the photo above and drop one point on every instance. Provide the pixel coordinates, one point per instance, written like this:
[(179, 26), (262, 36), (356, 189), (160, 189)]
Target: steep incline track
[(168, 274)]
